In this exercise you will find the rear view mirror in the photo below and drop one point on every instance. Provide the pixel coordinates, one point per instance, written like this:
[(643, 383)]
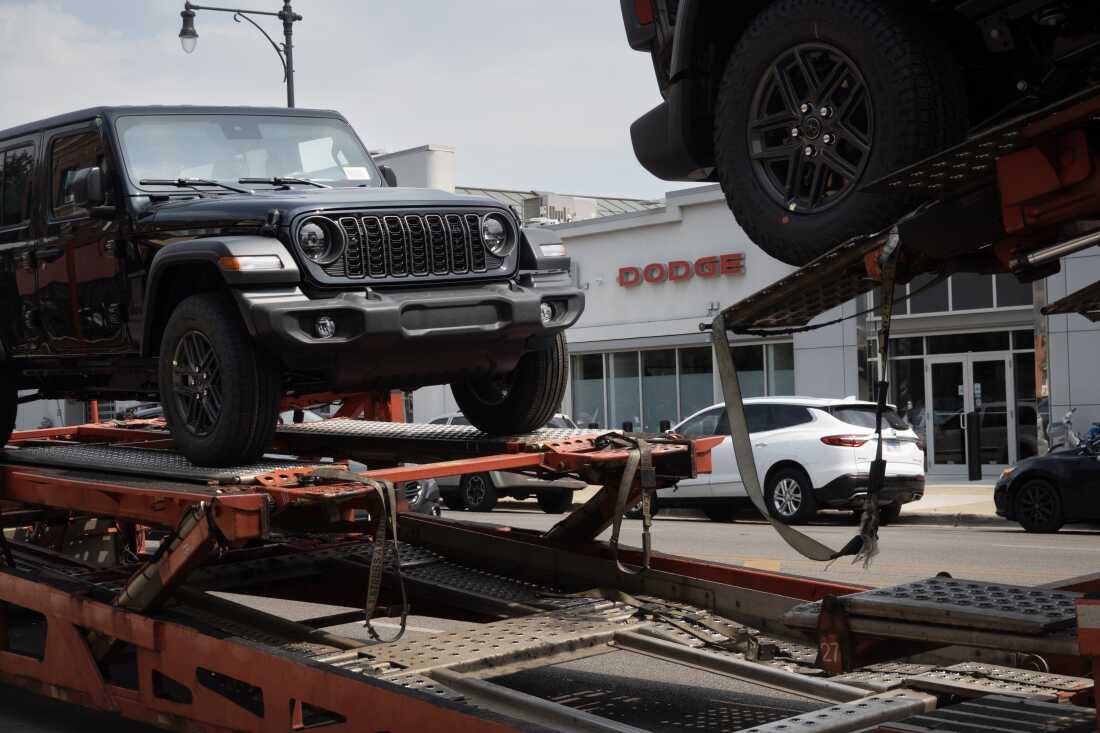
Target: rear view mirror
[(389, 176), (87, 188)]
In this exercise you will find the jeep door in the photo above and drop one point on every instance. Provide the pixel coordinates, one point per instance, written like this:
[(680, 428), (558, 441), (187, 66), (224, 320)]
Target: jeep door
[(19, 331), (81, 285)]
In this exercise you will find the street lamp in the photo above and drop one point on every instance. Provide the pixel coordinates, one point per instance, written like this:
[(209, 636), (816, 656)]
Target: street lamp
[(189, 37)]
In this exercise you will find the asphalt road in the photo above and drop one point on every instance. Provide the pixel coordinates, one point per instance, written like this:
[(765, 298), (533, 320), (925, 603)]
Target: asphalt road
[(658, 695)]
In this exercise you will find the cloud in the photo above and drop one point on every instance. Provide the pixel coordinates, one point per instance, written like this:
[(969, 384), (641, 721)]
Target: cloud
[(532, 94)]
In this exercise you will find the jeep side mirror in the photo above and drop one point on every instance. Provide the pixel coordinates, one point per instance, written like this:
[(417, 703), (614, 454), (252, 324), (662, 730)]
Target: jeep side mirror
[(389, 176), (87, 187)]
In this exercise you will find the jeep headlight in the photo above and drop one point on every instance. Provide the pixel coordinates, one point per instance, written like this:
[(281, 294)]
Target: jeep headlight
[(321, 240), (497, 234)]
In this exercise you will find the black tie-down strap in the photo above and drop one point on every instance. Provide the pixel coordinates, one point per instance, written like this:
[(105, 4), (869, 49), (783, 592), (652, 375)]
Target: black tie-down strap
[(863, 546), (639, 463), (388, 516)]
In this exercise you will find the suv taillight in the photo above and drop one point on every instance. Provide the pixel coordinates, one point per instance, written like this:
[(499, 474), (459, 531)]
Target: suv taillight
[(643, 10), (845, 441)]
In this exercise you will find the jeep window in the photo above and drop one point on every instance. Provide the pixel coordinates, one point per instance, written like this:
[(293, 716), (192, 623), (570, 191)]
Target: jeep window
[(16, 180), (69, 154), (228, 148)]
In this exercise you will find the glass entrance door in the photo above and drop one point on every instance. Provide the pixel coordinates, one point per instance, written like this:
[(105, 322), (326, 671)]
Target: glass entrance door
[(970, 392)]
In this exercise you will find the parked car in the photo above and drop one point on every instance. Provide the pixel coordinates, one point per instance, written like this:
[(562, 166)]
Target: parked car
[(479, 492), (795, 105), (215, 259), (1043, 493), (811, 454)]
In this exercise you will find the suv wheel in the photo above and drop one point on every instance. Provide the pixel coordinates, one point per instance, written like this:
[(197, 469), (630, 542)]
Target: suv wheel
[(790, 496), (818, 99), (220, 394), (1039, 507), (477, 492), (521, 401), (554, 501), (9, 404)]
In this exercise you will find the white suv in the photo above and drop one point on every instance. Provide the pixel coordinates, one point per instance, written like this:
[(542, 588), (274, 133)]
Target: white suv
[(811, 453)]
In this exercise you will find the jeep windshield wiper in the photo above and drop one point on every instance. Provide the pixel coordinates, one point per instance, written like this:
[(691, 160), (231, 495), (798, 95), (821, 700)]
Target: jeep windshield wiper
[(283, 181), (191, 183)]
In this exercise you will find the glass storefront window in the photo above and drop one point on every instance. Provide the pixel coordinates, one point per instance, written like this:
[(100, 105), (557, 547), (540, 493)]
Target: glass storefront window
[(750, 370), (907, 387), (1011, 291), (1023, 340), (624, 395), (696, 380), (587, 378), (958, 343), (1027, 409), (970, 291), (658, 389), (781, 369), (932, 300)]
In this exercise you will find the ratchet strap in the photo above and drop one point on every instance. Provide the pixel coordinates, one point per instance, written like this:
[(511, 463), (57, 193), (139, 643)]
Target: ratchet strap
[(388, 496), (639, 462), (864, 545)]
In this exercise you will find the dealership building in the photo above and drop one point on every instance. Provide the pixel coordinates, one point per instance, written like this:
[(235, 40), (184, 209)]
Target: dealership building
[(652, 272)]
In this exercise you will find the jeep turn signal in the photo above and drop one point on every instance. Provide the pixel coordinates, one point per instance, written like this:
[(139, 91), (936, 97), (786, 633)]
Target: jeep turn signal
[(246, 263), (845, 441)]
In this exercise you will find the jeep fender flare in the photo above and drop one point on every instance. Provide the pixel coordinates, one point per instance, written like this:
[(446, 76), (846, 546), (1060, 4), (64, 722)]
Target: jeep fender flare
[(206, 253)]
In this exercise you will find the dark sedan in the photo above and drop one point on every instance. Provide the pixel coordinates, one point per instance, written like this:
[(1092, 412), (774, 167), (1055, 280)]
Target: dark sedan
[(1043, 493)]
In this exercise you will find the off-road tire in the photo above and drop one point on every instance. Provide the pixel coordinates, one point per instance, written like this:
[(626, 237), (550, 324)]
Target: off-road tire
[(916, 90), (1038, 506), (790, 511), (554, 501), (477, 492), (250, 384), (9, 404), (535, 392)]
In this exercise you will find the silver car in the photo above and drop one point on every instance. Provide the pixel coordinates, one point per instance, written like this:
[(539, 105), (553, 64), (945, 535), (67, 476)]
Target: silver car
[(479, 492)]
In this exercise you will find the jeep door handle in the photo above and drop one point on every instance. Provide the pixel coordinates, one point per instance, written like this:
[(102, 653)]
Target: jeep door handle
[(48, 254)]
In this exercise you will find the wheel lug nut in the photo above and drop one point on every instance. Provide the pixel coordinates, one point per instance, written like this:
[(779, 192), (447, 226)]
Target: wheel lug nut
[(826, 112), (809, 151), (795, 132), (805, 108), (828, 138)]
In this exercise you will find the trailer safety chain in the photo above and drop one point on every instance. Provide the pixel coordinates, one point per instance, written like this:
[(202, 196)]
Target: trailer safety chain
[(639, 461), (864, 545), (388, 496)]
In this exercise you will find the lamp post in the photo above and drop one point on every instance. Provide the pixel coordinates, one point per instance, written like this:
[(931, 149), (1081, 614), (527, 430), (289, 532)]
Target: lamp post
[(189, 36)]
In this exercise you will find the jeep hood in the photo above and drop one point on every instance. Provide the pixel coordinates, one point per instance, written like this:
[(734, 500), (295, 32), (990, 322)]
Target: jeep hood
[(242, 208)]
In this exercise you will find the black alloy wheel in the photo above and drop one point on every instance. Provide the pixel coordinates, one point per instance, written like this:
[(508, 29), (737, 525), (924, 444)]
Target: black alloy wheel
[(1039, 507), (197, 383), (812, 127), (478, 493)]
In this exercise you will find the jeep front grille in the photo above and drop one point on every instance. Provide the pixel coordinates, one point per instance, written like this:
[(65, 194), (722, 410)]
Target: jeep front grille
[(385, 246)]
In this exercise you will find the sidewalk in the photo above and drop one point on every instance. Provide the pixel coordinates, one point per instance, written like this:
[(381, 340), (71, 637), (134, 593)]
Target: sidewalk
[(957, 504)]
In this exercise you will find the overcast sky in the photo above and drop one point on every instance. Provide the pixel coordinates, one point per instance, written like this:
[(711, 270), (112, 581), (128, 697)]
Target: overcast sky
[(534, 95)]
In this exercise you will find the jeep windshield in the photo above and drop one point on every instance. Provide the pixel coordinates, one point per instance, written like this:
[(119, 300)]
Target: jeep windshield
[(284, 151)]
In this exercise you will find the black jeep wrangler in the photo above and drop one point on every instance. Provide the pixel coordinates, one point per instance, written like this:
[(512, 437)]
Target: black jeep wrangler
[(221, 259), (795, 105)]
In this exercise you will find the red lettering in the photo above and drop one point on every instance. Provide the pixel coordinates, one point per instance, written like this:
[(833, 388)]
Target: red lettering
[(629, 277), (679, 270), (655, 273), (707, 267), (732, 264)]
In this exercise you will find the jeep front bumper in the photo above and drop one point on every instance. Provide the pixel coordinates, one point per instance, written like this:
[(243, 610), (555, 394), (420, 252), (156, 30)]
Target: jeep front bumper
[(410, 337)]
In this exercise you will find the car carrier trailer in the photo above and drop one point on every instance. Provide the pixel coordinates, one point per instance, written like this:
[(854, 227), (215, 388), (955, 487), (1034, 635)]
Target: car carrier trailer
[(92, 614)]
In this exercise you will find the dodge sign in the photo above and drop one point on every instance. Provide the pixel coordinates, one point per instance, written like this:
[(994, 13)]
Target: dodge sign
[(682, 270)]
